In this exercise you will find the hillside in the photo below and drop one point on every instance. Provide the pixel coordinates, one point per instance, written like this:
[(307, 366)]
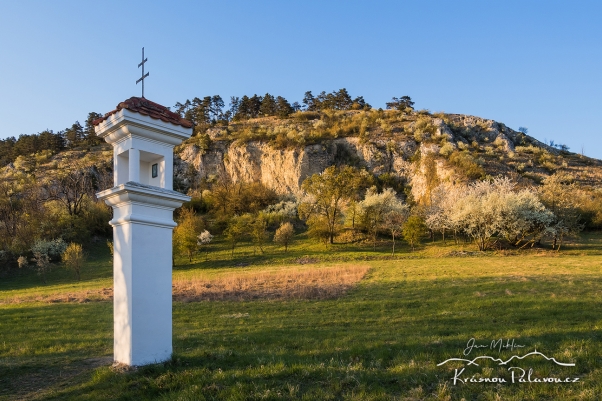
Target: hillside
[(281, 153), (391, 144), (420, 159)]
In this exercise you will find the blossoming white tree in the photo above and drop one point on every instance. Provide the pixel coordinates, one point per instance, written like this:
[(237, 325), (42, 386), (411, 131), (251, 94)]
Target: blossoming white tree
[(203, 239), (382, 211), (486, 209)]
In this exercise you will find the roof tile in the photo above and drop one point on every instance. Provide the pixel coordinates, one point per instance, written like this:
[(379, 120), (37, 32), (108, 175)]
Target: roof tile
[(145, 107)]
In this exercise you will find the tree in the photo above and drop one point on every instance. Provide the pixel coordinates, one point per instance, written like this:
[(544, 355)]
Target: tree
[(284, 235), (71, 185), (360, 104), (258, 232), (216, 109), (248, 107), (342, 100), (319, 229), (489, 208), (42, 263), (524, 130), (403, 103), (239, 198), (204, 239), (283, 107), (48, 140), (185, 235), (337, 100), (558, 195), (376, 206), (524, 219), (478, 209), (75, 134), (268, 105), (413, 229), (20, 207), (393, 221), (309, 101), (237, 230), (353, 214), (44, 252), (234, 105), (280, 212), (90, 136), (327, 193), (202, 113), (438, 213), (74, 258)]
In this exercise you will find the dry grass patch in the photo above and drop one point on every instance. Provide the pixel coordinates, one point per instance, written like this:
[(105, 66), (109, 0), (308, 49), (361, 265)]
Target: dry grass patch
[(293, 283), (322, 283), (104, 294)]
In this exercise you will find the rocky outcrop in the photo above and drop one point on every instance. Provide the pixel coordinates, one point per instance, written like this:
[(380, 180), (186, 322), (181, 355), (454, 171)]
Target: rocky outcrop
[(285, 169)]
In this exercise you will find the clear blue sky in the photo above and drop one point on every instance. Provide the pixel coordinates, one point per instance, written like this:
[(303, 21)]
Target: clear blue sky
[(536, 64)]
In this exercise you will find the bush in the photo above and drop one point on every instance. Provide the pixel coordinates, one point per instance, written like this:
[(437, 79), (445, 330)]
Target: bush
[(413, 229), (74, 258), (306, 115), (318, 229), (22, 261), (466, 163), (53, 249), (447, 149)]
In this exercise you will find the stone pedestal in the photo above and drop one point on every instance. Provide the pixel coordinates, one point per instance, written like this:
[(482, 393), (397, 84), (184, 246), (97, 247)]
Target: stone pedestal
[(143, 203)]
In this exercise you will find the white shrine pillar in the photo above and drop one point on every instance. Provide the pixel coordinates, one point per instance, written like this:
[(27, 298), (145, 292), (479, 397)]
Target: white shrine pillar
[(143, 135)]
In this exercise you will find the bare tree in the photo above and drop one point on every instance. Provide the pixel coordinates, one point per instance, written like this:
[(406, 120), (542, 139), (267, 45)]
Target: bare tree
[(71, 185)]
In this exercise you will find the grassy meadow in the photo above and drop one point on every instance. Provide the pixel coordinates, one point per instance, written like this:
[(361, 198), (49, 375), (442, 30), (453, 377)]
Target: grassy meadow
[(349, 322)]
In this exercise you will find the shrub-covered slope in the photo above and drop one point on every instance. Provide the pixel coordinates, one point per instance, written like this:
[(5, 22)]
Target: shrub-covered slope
[(397, 146)]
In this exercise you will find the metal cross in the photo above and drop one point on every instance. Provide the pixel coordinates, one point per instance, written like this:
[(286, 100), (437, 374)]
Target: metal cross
[(144, 60)]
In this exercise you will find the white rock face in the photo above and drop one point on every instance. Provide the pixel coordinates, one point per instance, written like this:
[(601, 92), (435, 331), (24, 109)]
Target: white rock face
[(283, 170)]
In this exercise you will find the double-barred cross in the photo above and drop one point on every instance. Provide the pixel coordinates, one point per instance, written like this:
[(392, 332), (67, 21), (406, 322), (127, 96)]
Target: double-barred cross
[(144, 60)]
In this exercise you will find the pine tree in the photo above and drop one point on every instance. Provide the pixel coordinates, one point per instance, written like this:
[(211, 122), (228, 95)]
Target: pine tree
[(268, 105), (283, 107)]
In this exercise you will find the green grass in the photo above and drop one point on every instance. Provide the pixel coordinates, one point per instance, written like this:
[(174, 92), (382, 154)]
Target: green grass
[(381, 341)]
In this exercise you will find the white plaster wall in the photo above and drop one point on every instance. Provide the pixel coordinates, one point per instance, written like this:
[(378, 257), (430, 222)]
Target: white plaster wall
[(121, 169), (122, 280), (168, 169), (151, 294), (142, 287), (146, 176)]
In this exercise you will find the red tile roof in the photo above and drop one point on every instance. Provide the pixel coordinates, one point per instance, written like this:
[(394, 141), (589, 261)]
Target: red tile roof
[(147, 108)]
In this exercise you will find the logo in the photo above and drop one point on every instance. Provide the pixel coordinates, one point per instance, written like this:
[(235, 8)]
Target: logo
[(514, 373)]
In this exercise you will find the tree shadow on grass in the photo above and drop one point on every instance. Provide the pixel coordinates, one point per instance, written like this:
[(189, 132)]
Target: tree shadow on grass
[(379, 341)]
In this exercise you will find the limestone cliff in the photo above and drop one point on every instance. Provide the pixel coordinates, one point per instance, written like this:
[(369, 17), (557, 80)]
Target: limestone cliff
[(285, 169), (395, 145)]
